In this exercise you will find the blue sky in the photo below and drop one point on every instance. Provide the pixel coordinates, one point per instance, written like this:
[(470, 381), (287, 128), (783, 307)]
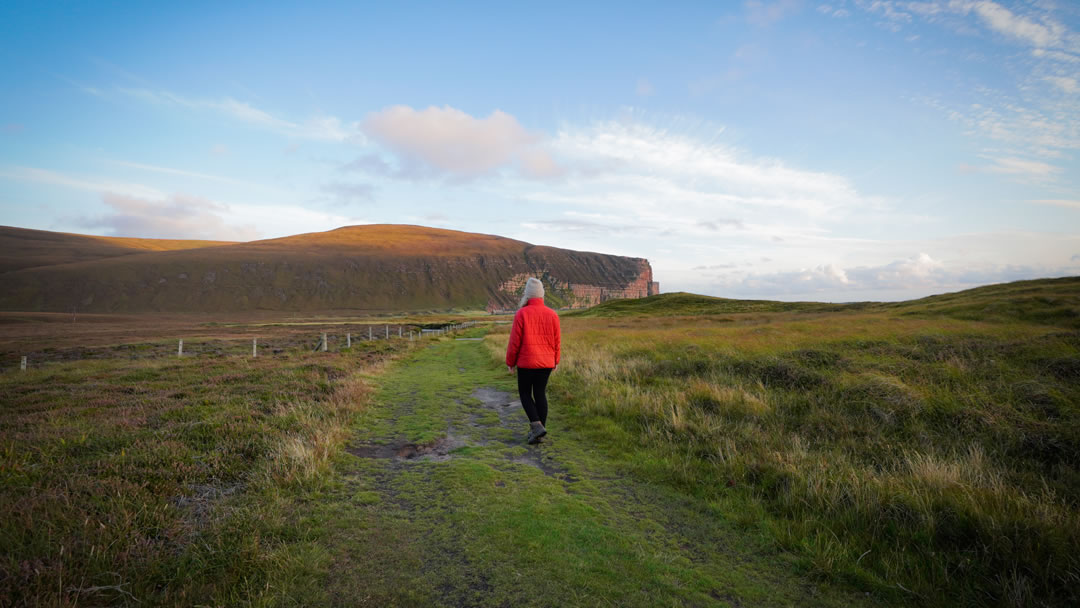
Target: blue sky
[(830, 150)]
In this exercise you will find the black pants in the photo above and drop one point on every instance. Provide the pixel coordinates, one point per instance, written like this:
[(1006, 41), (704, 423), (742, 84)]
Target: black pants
[(532, 384)]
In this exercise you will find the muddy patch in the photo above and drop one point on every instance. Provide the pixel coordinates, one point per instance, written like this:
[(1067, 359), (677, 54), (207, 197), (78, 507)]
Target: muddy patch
[(402, 450), (504, 404), (511, 417), (535, 457)]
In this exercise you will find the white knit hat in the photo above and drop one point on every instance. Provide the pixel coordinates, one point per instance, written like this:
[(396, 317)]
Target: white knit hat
[(533, 289)]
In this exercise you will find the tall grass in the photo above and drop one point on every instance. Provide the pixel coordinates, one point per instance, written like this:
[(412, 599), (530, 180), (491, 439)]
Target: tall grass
[(168, 482), (931, 460)]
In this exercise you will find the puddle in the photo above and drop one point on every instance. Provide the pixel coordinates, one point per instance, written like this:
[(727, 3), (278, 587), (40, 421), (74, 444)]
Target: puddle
[(437, 450), (534, 458), (504, 404)]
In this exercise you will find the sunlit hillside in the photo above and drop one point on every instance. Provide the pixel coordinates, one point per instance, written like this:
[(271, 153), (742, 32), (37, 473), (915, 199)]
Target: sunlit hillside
[(371, 268), (24, 248)]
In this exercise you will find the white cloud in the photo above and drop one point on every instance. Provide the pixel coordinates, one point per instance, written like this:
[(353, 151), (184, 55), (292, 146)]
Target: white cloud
[(766, 13), (1065, 83), (660, 172), (45, 176), (904, 278), (193, 174), (1023, 167), (327, 128), (178, 216), (1000, 19), (448, 141), (1070, 204)]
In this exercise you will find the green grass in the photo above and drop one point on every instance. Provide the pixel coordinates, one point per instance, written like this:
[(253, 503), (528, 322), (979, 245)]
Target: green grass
[(921, 457), (1042, 301), (486, 526), (687, 304)]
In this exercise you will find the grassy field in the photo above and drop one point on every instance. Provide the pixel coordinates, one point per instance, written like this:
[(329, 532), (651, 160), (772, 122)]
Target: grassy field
[(909, 450), (166, 481), (702, 452)]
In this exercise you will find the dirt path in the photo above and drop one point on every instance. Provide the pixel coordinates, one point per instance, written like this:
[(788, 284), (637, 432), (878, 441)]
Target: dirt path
[(441, 503)]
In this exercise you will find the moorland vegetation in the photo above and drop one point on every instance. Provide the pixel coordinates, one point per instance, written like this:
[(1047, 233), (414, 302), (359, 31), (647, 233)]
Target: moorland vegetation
[(928, 451), (923, 453)]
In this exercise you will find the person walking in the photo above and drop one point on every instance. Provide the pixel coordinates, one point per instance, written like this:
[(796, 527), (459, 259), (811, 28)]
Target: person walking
[(534, 350)]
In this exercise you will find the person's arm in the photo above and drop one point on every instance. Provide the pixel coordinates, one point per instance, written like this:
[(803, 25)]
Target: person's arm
[(558, 342), (514, 346)]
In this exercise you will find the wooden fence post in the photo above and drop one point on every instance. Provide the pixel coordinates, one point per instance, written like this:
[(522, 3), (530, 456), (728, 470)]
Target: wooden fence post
[(387, 328), (180, 349), (324, 342), (348, 340), (22, 365), (368, 332), (399, 331), (254, 347)]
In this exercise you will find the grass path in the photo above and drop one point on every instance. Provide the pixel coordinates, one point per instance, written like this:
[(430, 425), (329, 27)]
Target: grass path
[(439, 502)]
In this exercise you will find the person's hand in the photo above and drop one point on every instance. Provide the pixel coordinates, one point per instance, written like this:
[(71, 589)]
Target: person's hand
[(510, 369), (556, 368)]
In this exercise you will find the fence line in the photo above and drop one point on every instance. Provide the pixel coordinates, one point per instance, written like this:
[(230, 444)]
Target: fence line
[(323, 343)]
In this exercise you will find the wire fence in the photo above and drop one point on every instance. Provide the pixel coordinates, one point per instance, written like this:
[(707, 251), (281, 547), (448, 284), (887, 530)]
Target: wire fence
[(250, 346)]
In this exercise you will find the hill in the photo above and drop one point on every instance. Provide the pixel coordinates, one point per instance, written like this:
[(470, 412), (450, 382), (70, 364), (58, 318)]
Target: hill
[(690, 304), (377, 267), (24, 248), (1045, 301)]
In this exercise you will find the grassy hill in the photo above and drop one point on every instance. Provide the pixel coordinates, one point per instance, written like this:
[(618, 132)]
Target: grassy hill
[(24, 248), (1045, 301), (686, 304), (377, 267)]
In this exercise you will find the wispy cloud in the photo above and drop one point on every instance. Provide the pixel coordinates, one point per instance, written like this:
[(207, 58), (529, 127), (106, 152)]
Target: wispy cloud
[(1023, 167), (327, 128), (90, 184), (765, 13), (644, 88), (1070, 204), (348, 192), (1030, 111), (178, 216), (194, 174)]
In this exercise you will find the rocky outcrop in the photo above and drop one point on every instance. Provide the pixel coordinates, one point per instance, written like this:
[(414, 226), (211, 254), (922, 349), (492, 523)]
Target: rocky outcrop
[(568, 294)]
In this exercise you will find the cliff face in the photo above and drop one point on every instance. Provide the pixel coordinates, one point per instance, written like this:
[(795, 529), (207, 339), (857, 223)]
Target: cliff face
[(391, 268), (578, 295)]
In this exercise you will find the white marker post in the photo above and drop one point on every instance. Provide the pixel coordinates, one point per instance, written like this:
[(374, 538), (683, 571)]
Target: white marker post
[(180, 349), (399, 331), (348, 340), (254, 347), (324, 343), (368, 332), (22, 365)]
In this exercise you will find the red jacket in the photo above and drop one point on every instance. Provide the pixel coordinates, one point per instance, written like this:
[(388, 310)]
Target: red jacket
[(535, 338)]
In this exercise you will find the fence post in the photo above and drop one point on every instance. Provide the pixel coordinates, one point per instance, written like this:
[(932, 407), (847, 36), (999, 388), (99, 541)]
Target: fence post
[(387, 328), (368, 332), (22, 365), (180, 349), (348, 340), (254, 347), (324, 342), (399, 331)]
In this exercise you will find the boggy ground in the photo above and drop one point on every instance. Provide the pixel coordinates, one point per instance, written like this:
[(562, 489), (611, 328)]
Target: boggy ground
[(439, 502)]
